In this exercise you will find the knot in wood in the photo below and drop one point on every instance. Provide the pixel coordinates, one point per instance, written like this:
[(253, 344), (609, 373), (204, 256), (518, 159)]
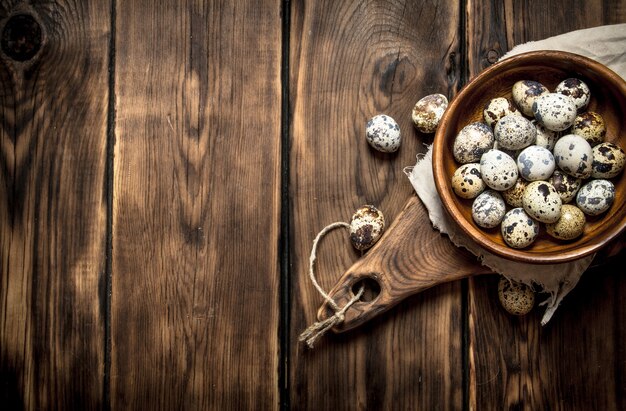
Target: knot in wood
[(21, 37)]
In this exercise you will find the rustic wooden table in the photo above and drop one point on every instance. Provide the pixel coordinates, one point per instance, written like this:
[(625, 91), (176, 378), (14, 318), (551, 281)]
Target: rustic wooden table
[(165, 166)]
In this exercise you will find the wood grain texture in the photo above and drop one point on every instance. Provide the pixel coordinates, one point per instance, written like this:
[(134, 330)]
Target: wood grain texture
[(350, 61), (195, 305), (577, 360), (53, 111)]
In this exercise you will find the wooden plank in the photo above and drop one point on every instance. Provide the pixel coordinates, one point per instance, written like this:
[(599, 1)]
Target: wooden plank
[(576, 361), (349, 61), (195, 304), (53, 140)]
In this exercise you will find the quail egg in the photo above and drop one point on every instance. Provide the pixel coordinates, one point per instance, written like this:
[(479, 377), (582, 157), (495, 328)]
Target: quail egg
[(574, 155), (590, 125), (608, 160), (545, 138), (383, 133), (366, 227), (428, 111), (542, 202), (518, 229), (471, 142), (497, 108), (511, 153), (513, 196), (570, 225), (488, 209), (467, 181), (554, 111), (595, 197), (577, 90), (535, 163), (515, 132), (524, 94), (498, 170), (566, 185)]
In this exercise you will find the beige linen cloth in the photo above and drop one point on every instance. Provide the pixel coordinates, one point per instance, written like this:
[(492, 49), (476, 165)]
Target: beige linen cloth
[(607, 45)]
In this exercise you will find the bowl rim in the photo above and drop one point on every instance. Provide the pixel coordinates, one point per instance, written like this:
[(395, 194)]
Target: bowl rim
[(439, 173)]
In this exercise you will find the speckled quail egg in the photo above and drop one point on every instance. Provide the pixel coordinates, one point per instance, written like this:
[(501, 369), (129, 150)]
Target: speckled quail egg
[(567, 186), (488, 209), (498, 170), (608, 160), (514, 132), (513, 196), (366, 227), (471, 142), (383, 133), (524, 94), (554, 111), (518, 229), (497, 108), (542, 202), (574, 155), (595, 197), (516, 298), (570, 225), (535, 163), (591, 126), (428, 111), (512, 153), (577, 90), (545, 138), (467, 181)]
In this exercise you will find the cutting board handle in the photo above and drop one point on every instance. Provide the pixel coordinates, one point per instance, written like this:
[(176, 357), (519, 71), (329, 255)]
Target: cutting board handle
[(409, 258)]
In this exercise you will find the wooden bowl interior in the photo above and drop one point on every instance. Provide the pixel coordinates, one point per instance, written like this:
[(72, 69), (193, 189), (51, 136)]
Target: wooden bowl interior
[(608, 97)]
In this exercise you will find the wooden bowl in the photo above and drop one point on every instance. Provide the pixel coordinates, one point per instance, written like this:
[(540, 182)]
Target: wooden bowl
[(608, 98)]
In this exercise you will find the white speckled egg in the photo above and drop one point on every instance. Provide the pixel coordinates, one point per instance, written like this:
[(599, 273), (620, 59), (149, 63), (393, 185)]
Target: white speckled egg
[(497, 108), (524, 94), (383, 133), (498, 170), (514, 132), (366, 227), (545, 138), (590, 125), (515, 298), (608, 160), (471, 142), (595, 197), (428, 111), (567, 186), (570, 225), (577, 90), (467, 181), (535, 163), (542, 202), (554, 111), (574, 155), (518, 229), (488, 209), (513, 196)]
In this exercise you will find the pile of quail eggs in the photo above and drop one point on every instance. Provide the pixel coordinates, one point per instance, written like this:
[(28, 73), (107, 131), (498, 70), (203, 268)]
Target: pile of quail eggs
[(542, 154)]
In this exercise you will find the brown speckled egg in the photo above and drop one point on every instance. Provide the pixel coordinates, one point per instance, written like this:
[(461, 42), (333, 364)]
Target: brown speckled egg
[(542, 202), (567, 186), (570, 225), (518, 229), (524, 94), (555, 111), (472, 141), (467, 181), (515, 298), (515, 132), (513, 196), (497, 108), (577, 90), (366, 227), (428, 111), (608, 160), (590, 125)]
